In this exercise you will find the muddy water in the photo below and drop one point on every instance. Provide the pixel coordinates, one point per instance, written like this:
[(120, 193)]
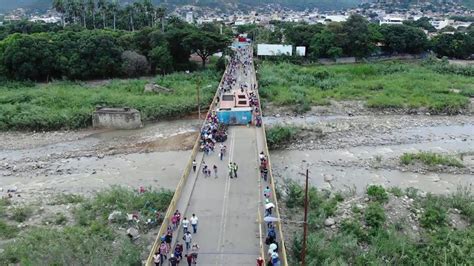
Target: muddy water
[(354, 166)]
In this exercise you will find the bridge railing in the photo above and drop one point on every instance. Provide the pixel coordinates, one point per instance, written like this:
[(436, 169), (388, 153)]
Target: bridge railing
[(282, 246), (182, 181)]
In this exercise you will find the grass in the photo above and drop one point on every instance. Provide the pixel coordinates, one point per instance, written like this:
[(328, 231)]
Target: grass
[(382, 85), (430, 159), (377, 193), (62, 199), (67, 105), (21, 213), (92, 240), (368, 238)]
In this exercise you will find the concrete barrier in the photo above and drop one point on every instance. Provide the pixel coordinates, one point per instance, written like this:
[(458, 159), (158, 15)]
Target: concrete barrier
[(283, 257), (118, 118)]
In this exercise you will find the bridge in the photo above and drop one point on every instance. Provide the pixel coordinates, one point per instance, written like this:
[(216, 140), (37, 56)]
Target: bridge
[(232, 227)]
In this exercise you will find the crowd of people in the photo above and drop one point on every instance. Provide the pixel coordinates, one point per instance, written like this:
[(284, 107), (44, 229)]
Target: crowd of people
[(176, 256), (211, 133)]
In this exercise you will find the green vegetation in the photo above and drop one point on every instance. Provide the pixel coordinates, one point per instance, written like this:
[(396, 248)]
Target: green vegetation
[(368, 237), (7, 231), (93, 240), (70, 105), (383, 85), (280, 135), (122, 200), (377, 193), (430, 159), (71, 246), (63, 198), (21, 213)]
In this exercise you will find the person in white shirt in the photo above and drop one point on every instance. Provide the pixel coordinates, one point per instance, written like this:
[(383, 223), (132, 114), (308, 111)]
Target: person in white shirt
[(194, 223), (185, 224)]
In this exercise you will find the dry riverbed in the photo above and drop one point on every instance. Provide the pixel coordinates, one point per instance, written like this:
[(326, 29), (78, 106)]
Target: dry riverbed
[(345, 152)]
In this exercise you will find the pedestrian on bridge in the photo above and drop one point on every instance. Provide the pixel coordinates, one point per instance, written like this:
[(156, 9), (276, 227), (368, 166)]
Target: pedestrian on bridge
[(194, 223), (194, 166), (187, 239), (235, 167), (185, 224), (215, 170), (231, 170)]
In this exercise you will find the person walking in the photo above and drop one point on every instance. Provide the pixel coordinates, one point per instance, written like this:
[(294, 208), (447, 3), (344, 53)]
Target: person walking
[(185, 224), (189, 259), (157, 258), (194, 252), (187, 239), (231, 170), (194, 223), (236, 167), (173, 260), (194, 166), (215, 170)]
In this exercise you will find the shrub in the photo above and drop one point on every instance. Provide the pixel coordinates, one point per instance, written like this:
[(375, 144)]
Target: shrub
[(375, 215), (377, 193), (20, 214), (62, 199), (430, 159), (433, 216), (279, 135), (134, 64), (294, 195), (396, 191)]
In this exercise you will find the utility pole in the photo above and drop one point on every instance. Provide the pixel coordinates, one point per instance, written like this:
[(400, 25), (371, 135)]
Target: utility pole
[(305, 225), (198, 85)]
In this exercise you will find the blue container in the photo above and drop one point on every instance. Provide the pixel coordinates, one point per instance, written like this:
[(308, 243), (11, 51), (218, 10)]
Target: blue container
[(235, 116)]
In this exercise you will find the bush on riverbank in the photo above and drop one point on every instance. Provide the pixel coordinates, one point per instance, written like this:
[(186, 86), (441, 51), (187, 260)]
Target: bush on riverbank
[(430, 159), (422, 230), (92, 239), (280, 135), (385, 85), (69, 105)]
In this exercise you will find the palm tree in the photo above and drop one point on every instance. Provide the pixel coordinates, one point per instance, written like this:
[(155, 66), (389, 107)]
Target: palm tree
[(149, 10), (82, 12), (160, 13), (91, 8), (60, 7), (114, 8), (130, 10), (102, 6)]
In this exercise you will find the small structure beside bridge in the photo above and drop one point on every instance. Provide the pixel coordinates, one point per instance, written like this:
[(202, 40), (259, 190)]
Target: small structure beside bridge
[(118, 118)]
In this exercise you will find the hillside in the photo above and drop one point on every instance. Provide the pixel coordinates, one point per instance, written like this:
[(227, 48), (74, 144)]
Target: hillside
[(32, 5)]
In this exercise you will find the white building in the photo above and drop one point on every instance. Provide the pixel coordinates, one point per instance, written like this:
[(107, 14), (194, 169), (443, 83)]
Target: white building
[(439, 24), (392, 20), (190, 17)]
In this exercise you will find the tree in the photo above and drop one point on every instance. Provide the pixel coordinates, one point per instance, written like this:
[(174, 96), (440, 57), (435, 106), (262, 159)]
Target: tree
[(358, 40), (301, 34), (134, 64), (404, 39), (161, 59), (60, 7), (29, 57), (423, 23), (457, 45), (205, 44), (91, 9), (160, 13), (324, 45), (102, 6)]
